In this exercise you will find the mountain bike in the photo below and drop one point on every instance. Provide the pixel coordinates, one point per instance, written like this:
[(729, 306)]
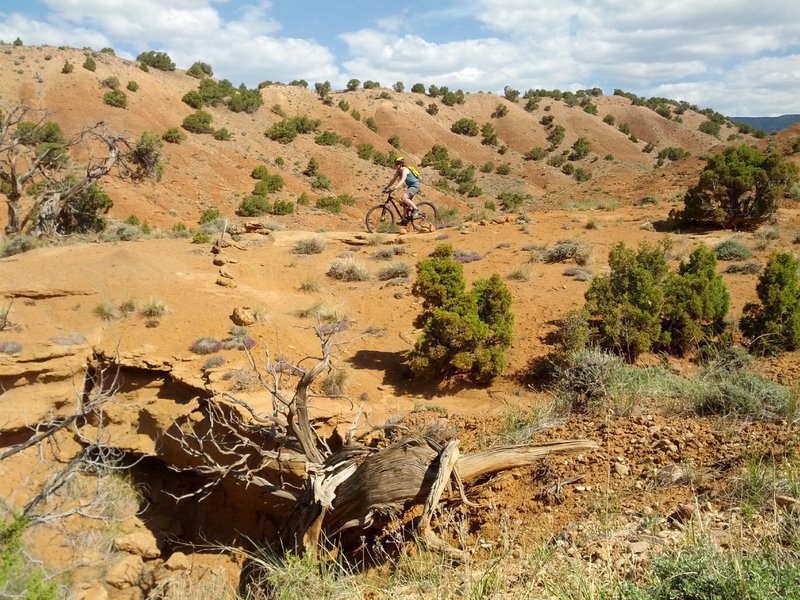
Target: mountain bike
[(382, 218)]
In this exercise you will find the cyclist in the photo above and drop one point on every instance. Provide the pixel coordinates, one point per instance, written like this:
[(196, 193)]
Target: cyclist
[(409, 176)]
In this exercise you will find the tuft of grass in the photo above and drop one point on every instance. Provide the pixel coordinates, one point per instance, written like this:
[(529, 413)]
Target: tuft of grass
[(333, 384), (309, 246), (388, 253), (213, 361), (519, 274), (348, 269), (394, 271), (154, 308), (4, 319), (310, 285), (106, 311)]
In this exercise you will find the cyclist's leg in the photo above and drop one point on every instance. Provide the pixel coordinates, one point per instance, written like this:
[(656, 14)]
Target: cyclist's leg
[(408, 197)]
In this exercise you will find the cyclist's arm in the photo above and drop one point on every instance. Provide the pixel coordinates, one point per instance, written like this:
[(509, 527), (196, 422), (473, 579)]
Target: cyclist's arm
[(402, 178)]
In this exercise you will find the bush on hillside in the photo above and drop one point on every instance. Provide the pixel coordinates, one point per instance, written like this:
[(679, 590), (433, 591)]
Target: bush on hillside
[(773, 325), (465, 126), (198, 122), (116, 98), (198, 70), (157, 60)]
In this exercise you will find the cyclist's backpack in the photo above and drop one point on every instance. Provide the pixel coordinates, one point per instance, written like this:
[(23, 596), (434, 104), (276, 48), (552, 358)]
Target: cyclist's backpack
[(414, 172)]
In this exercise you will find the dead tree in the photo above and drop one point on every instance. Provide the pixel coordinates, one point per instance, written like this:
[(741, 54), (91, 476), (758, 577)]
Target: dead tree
[(340, 487), (26, 160)]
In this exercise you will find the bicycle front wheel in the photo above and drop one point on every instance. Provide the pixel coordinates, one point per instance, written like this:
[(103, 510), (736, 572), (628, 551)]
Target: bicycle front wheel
[(427, 216), (380, 219)]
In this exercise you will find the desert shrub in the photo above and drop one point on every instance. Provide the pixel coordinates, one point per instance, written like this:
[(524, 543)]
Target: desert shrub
[(348, 269), (173, 135), (588, 380), (10, 347), (580, 175), (535, 153), (580, 148), (18, 244), (503, 169), (132, 86), (198, 122), (512, 200), (309, 246), (696, 303), (254, 205), (20, 577), (67, 68), (111, 82), (202, 236), (327, 138), (268, 183), (364, 151), (731, 250), (463, 333), (739, 186), (321, 182), (194, 99), (213, 361), (116, 98), (334, 204), (625, 305), (89, 64), (432, 109), (223, 134), (282, 207), (566, 250), (465, 126), (198, 70), (286, 130), (157, 60), (773, 324), (205, 345), (710, 127)]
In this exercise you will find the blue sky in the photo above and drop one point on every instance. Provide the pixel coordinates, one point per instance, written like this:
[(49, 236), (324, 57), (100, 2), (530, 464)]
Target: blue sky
[(739, 57)]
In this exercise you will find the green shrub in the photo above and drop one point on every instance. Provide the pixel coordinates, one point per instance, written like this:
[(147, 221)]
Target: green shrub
[(198, 122), (19, 576), (198, 70), (132, 86), (696, 303), (463, 333), (116, 98), (371, 123), (433, 109), (512, 200), (89, 64), (567, 250), (741, 186), (223, 134), (773, 324), (625, 305), (364, 151), (731, 250), (465, 126), (157, 60), (535, 153), (254, 205), (327, 138), (503, 169), (111, 82), (173, 135), (282, 207), (394, 271), (286, 130), (67, 68), (209, 215), (193, 99)]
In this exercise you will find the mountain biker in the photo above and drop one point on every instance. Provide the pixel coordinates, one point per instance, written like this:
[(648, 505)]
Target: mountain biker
[(404, 174)]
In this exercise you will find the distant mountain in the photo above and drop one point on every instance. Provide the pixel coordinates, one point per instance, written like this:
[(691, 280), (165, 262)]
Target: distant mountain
[(768, 124)]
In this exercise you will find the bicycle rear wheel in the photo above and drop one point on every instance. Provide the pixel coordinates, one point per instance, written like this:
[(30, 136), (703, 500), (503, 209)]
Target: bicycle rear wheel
[(380, 219), (427, 215)]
